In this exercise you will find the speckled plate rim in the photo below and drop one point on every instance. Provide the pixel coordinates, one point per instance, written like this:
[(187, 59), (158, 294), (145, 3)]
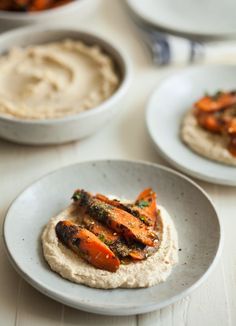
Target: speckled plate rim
[(109, 310), (183, 168)]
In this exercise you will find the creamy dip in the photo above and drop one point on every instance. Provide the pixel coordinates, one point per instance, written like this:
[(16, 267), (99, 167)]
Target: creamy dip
[(149, 272), (54, 80), (205, 143)]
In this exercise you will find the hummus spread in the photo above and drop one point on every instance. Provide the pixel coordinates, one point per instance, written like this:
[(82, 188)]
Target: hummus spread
[(149, 272), (55, 80), (205, 143)]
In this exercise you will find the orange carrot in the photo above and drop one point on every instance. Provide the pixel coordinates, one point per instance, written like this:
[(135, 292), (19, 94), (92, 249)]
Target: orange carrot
[(38, 5), (120, 221), (138, 254), (86, 244), (215, 103), (112, 240), (231, 129), (101, 231), (135, 210), (5, 4), (147, 205), (105, 199), (209, 121), (60, 3)]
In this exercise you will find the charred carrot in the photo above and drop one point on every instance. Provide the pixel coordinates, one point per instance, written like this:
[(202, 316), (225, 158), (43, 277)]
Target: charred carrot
[(231, 129), (101, 231), (209, 121), (138, 254), (5, 5), (119, 220), (217, 102), (130, 208), (147, 206), (113, 202), (113, 240), (31, 5), (133, 209), (86, 244), (38, 5), (60, 3)]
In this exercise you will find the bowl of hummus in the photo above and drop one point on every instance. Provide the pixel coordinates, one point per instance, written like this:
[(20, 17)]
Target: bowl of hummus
[(58, 85)]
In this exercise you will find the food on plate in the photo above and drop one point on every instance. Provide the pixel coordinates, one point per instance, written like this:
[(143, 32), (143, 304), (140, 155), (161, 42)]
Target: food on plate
[(86, 244), (210, 128), (31, 5), (54, 80), (105, 242)]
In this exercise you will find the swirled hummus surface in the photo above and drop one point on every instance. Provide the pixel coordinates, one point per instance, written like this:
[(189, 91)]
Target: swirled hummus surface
[(149, 272), (55, 80)]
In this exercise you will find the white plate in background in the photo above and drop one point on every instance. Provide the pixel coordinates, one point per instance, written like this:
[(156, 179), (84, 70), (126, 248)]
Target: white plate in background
[(202, 18), (166, 109)]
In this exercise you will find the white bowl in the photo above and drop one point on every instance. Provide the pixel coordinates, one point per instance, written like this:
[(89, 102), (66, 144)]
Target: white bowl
[(195, 218), (10, 19), (69, 128)]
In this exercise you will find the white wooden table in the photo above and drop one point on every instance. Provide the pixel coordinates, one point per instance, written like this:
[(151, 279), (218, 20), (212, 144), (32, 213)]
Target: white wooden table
[(214, 303)]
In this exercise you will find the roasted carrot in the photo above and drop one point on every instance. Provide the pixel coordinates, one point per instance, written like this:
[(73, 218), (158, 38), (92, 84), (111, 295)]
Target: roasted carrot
[(5, 5), (60, 3), (231, 129), (86, 244), (209, 121), (38, 5), (133, 209), (147, 205), (130, 208), (117, 219), (101, 231), (138, 254), (113, 240), (113, 202), (231, 126), (217, 102), (232, 145), (31, 5)]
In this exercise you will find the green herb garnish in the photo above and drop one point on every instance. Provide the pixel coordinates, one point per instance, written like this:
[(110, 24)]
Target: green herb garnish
[(143, 203), (101, 237), (216, 95), (142, 218), (108, 242), (76, 196)]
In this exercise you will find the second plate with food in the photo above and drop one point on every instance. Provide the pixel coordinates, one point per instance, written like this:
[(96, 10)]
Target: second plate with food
[(165, 113), (192, 214)]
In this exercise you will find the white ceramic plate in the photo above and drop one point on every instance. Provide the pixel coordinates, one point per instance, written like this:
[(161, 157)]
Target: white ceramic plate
[(165, 111), (192, 211), (214, 18)]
